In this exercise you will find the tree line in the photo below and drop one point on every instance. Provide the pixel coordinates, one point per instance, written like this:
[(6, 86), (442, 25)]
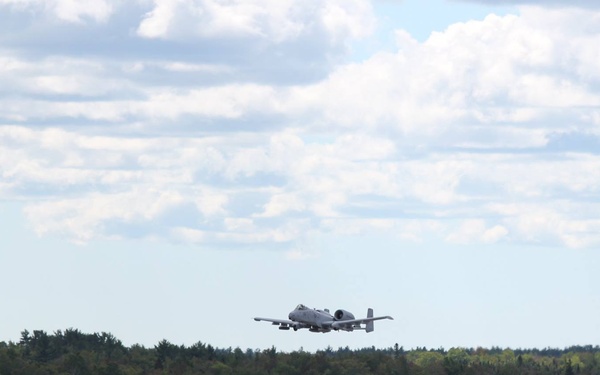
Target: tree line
[(76, 353)]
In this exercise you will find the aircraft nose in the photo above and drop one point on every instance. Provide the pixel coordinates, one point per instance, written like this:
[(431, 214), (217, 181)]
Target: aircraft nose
[(291, 316)]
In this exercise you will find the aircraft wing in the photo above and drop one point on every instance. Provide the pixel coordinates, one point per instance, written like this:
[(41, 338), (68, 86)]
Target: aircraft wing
[(283, 324), (276, 321), (353, 322)]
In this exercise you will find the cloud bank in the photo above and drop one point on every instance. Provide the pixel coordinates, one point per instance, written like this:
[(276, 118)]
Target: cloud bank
[(239, 124), (545, 3)]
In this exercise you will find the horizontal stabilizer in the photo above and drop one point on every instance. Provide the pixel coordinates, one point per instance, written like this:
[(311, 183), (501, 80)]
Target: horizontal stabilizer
[(342, 324)]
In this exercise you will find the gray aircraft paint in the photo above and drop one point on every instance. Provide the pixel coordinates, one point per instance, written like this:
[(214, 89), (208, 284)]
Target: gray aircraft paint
[(322, 321)]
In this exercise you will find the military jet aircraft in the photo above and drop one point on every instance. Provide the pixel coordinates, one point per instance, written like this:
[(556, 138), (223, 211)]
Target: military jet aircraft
[(322, 321)]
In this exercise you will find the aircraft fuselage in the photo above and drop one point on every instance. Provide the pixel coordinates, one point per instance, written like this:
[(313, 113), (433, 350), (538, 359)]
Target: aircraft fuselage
[(316, 320), (312, 319)]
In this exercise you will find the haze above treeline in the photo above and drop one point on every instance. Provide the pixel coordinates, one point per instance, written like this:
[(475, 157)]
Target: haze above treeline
[(74, 352)]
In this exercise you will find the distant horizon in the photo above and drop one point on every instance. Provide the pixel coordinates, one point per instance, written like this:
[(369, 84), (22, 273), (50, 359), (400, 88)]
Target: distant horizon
[(77, 352), (300, 349)]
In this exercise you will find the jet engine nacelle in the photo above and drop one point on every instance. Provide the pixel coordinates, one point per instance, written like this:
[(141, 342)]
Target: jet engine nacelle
[(343, 315)]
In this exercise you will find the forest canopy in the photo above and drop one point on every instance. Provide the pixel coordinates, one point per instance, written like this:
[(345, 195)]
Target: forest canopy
[(74, 352)]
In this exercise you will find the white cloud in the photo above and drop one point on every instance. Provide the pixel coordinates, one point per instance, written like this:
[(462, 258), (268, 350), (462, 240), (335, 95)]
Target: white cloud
[(76, 11), (138, 181), (273, 20), (545, 3), (515, 69), (494, 234), (497, 71), (83, 219), (476, 231), (411, 143), (280, 204), (343, 17), (435, 182), (194, 68), (211, 202), (554, 223), (208, 40), (358, 226)]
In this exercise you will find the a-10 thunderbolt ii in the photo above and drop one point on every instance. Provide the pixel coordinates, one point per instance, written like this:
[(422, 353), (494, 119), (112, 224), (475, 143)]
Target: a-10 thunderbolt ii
[(322, 321)]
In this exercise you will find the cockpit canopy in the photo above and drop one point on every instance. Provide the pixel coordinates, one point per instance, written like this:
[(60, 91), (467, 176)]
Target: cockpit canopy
[(301, 307)]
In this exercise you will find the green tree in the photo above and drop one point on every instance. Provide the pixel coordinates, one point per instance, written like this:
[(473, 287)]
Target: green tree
[(456, 361), (164, 350), (75, 364), (430, 363), (569, 367)]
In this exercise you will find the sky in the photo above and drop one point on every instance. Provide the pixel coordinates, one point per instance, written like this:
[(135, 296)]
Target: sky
[(170, 169)]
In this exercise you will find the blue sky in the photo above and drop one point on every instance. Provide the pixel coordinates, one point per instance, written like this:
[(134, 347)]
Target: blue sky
[(171, 169)]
